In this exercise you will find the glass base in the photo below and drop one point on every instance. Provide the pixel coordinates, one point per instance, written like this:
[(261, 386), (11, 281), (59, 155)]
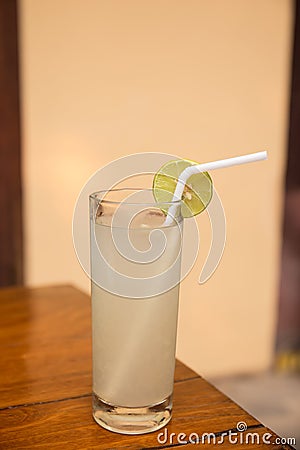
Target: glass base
[(132, 420)]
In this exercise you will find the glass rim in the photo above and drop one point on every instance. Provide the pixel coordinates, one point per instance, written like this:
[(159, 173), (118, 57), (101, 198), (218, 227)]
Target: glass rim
[(94, 196)]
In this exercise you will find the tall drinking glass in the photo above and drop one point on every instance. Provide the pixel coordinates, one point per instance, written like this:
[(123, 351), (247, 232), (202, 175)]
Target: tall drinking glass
[(135, 262)]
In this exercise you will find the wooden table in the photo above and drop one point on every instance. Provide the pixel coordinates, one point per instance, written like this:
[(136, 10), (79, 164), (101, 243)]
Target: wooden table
[(45, 383)]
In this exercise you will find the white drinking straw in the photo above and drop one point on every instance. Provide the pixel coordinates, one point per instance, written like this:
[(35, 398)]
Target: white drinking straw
[(121, 373), (197, 168)]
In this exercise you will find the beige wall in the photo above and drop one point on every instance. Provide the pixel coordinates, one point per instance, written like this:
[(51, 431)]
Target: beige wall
[(203, 79)]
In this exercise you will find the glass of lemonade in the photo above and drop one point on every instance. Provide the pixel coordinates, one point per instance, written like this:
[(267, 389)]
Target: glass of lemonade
[(135, 267)]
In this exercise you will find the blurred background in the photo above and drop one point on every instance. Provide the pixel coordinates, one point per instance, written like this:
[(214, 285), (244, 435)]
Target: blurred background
[(86, 82)]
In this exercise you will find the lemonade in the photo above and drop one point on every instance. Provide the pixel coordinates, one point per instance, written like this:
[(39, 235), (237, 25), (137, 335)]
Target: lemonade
[(136, 266), (134, 339)]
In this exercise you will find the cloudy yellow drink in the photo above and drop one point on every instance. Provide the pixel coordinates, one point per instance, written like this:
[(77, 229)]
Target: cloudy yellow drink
[(134, 335)]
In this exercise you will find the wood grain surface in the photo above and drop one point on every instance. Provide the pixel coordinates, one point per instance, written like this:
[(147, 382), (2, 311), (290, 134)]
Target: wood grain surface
[(45, 383)]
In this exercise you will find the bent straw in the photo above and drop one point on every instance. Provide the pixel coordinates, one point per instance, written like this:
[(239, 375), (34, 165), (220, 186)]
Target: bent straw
[(132, 341), (198, 168)]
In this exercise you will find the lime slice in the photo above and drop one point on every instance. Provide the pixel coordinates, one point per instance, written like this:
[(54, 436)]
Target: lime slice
[(197, 192)]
